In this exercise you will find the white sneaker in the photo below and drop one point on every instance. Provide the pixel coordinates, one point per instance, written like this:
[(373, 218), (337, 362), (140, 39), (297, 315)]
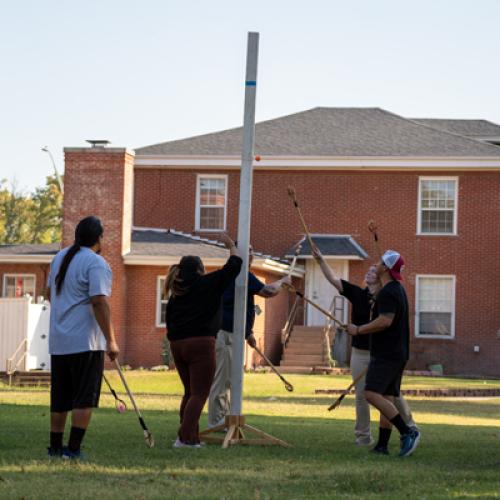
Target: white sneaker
[(179, 444), (363, 441)]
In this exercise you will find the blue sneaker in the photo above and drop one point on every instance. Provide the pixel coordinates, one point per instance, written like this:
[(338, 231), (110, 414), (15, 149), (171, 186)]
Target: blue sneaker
[(67, 454), (409, 442), (54, 452)]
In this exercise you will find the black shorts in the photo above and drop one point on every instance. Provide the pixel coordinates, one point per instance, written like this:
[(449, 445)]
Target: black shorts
[(384, 376), (76, 380)]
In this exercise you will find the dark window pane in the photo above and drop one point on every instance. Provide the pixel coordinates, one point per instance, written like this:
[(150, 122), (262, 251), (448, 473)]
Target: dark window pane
[(437, 221), (435, 323)]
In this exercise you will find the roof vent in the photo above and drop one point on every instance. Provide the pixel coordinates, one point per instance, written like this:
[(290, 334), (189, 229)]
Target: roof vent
[(98, 143)]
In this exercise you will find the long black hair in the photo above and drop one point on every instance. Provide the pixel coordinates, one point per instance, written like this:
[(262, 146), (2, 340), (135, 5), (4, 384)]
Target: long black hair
[(87, 234), (182, 275)]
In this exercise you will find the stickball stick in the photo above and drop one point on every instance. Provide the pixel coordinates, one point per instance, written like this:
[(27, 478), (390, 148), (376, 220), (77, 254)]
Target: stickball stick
[(288, 386), (121, 406), (148, 437), (295, 257), (293, 196), (346, 392), (372, 227), (318, 307)]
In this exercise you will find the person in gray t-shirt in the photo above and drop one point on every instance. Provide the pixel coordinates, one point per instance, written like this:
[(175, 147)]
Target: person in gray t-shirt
[(80, 333)]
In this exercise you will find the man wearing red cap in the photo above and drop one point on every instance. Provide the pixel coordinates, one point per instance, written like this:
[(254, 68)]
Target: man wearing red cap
[(389, 352)]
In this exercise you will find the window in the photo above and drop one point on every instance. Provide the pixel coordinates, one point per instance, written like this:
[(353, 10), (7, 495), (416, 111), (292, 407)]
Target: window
[(18, 285), (437, 201), (211, 202), (435, 302), (161, 303)]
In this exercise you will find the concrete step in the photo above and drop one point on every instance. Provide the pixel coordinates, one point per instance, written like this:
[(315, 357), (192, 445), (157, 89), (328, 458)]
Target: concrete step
[(295, 369), (306, 337), (303, 359), (307, 329), (304, 349)]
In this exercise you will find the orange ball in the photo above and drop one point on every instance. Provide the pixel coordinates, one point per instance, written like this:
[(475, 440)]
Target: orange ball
[(257, 158)]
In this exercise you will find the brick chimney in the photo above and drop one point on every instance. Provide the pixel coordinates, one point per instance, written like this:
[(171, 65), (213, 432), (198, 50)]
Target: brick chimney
[(99, 181)]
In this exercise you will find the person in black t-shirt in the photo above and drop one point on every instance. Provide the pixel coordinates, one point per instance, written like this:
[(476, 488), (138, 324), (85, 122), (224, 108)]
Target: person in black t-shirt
[(194, 316), (389, 353), (362, 300), (219, 397)]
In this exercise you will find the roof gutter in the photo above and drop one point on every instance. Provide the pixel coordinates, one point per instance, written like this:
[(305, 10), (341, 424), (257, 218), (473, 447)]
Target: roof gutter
[(268, 265), (26, 259)]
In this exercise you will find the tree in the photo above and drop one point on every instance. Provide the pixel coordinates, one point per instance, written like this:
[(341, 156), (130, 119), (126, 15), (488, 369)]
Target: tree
[(30, 218), (47, 213)]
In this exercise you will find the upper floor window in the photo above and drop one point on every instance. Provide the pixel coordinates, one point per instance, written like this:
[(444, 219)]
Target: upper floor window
[(211, 203), (437, 210), (18, 285), (435, 304)]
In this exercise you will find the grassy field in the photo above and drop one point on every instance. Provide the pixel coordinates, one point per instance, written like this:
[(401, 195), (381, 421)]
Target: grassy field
[(459, 456)]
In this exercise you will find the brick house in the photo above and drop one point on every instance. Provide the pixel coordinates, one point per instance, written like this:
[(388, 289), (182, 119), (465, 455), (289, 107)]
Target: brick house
[(433, 186)]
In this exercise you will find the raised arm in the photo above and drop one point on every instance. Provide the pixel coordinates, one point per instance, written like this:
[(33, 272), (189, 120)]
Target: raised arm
[(326, 269)]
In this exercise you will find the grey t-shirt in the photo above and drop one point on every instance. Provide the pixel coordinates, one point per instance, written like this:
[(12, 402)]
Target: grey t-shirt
[(73, 327)]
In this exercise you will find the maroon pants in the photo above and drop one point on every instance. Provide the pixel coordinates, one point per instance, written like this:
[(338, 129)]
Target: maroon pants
[(195, 362)]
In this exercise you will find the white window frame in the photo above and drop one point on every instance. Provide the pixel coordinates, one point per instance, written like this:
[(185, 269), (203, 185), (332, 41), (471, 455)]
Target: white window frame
[(198, 207), (159, 302), (18, 275), (419, 204), (417, 310)]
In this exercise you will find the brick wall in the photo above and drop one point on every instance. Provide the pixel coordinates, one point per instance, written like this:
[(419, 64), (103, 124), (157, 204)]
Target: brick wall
[(100, 182), (342, 202)]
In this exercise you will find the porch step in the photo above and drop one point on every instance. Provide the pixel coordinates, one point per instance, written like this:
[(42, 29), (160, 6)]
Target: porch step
[(296, 348), (295, 369), (29, 379), (302, 359), (305, 349)]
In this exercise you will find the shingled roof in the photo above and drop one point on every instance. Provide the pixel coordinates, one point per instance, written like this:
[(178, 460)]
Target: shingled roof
[(330, 245), (469, 128), (30, 249), (333, 132), (172, 243)]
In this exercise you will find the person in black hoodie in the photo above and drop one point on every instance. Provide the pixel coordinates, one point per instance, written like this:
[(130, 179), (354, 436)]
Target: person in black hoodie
[(194, 316)]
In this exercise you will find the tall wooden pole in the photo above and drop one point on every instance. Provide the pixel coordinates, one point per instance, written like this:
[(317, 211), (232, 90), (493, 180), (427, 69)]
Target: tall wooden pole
[(244, 217)]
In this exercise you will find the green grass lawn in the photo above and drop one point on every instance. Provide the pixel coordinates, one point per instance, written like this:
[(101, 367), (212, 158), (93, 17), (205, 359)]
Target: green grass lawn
[(459, 456)]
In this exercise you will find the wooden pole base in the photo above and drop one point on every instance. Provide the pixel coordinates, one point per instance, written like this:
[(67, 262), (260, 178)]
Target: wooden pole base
[(235, 427)]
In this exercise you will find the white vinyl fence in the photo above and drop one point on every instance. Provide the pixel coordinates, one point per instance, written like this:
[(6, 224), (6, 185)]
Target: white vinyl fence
[(24, 332)]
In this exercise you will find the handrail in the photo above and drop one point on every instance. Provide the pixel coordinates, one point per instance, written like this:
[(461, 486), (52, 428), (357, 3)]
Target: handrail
[(326, 334), (287, 329), (11, 370)]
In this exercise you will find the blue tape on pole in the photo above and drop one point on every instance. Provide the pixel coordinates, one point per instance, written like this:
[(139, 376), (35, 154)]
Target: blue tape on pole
[(251, 83)]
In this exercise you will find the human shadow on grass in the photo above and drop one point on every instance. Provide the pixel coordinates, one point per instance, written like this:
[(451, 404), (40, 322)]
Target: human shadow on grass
[(323, 460), (111, 433)]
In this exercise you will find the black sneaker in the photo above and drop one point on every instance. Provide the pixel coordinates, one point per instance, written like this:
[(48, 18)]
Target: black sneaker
[(380, 450), (54, 452)]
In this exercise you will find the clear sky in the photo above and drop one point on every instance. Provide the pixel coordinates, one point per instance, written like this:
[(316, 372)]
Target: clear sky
[(142, 72)]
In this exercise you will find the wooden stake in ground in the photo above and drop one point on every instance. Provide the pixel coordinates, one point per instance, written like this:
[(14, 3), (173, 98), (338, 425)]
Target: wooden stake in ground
[(293, 196), (346, 392)]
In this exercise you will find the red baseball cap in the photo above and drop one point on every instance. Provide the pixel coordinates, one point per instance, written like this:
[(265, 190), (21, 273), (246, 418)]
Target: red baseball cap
[(395, 263)]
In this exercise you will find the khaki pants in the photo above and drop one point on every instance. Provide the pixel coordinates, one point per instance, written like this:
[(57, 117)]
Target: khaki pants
[(360, 358), (218, 399)]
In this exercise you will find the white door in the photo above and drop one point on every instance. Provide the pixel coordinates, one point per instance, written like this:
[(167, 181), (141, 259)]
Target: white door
[(319, 290)]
